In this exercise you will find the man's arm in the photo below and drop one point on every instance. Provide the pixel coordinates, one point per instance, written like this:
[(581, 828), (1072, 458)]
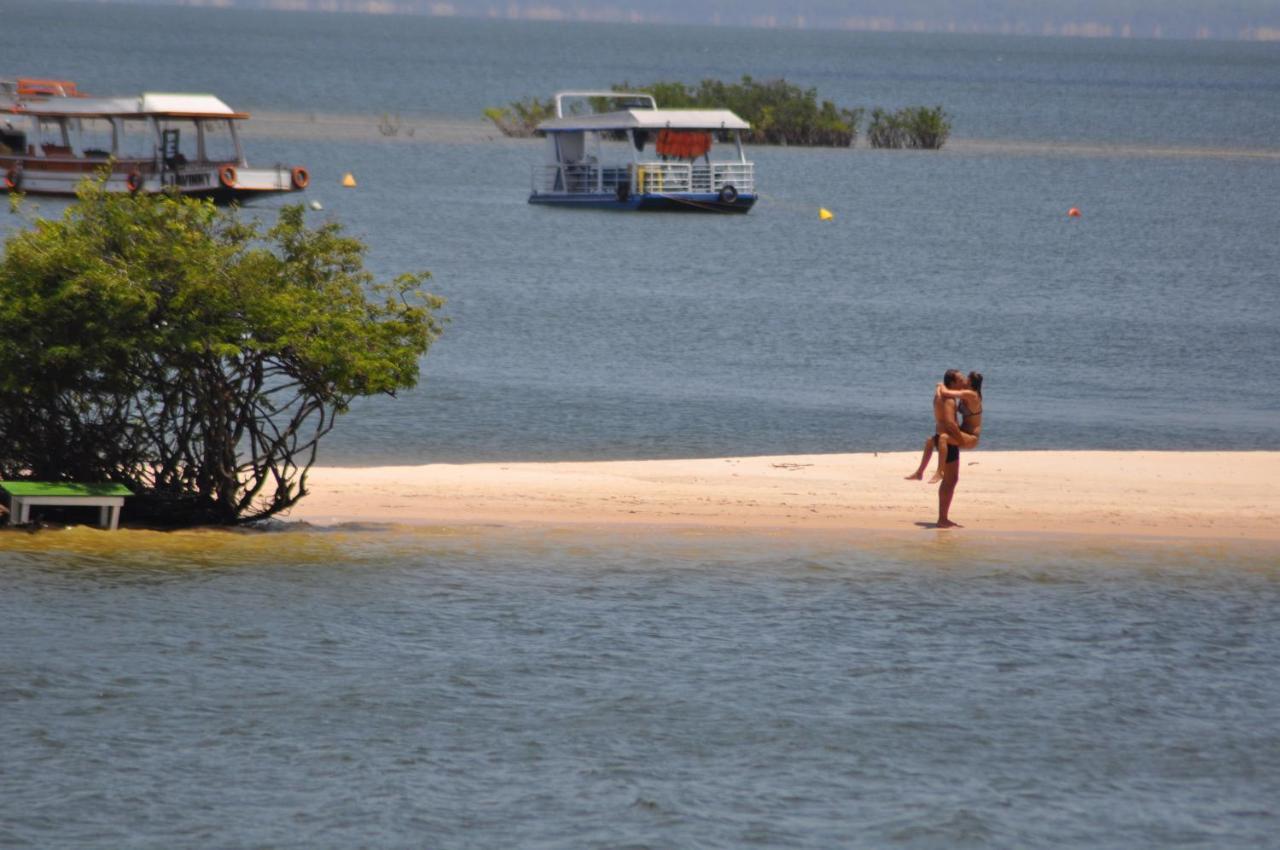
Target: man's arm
[(944, 412), (967, 396)]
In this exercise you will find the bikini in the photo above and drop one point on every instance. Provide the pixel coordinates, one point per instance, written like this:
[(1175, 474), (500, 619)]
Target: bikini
[(953, 451)]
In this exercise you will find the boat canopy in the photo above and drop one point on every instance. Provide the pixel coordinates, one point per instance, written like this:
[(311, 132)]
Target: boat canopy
[(647, 119), (194, 105), (171, 105)]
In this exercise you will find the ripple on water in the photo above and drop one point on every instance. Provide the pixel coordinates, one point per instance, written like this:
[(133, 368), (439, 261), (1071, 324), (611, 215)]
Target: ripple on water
[(358, 687)]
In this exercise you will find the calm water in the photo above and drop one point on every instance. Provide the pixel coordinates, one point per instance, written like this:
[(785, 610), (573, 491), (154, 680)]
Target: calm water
[(487, 688), (484, 689), (1152, 321)]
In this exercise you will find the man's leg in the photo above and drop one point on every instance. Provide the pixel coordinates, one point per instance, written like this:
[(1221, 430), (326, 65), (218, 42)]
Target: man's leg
[(947, 489), (944, 456)]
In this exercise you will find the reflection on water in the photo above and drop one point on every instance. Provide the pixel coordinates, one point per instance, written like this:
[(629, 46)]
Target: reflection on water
[(355, 543)]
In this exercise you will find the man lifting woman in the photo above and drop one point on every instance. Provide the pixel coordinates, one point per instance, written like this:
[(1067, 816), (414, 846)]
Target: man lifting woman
[(962, 393)]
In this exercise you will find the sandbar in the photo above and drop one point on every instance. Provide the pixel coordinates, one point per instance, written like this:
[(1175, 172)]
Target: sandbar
[(437, 129), (1203, 495)]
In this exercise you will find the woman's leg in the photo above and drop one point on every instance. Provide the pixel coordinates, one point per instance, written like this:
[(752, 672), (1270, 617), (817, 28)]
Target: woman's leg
[(966, 441), (918, 475)]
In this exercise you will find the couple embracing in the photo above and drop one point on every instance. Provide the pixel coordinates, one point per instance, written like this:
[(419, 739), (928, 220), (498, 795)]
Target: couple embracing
[(962, 393)]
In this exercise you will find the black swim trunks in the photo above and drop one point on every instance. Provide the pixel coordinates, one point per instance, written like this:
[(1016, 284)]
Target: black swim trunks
[(953, 451)]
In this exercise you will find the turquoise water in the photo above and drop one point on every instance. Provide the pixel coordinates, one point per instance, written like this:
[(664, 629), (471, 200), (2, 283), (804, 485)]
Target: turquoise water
[(485, 687)]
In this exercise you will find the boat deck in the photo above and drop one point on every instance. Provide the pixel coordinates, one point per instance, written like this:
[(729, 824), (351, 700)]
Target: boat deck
[(658, 177)]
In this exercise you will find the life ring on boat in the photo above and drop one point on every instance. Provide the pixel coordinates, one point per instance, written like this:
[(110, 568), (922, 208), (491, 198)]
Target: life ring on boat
[(728, 194), (227, 174), (13, 179), (301, 178), (134, 181)]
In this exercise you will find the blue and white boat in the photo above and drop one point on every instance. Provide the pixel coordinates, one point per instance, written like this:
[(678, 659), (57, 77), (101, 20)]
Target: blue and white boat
[(640, 157)]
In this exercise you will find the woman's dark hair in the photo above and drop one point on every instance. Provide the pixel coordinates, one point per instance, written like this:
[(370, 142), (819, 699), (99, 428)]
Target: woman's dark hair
[(975, 383)]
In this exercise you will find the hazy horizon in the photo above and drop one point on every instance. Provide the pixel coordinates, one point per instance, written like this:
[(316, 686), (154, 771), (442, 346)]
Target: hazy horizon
[(1248, 20)]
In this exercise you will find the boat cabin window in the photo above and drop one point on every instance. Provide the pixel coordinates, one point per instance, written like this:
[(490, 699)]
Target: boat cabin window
[(187, 149), (570, 147), (51, 134), (219, 143), (136, 140), (93, 137), (12, 140)]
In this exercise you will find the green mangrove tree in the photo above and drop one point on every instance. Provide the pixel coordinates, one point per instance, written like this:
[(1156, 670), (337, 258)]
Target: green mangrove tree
[(162, 343)]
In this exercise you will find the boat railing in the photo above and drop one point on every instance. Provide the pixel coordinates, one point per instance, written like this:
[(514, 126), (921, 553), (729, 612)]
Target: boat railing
[(666, 177), (739, 175), (579, 178), (656, 177)]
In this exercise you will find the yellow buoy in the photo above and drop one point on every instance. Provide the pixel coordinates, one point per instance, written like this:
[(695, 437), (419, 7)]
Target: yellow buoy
[(348, 180), (825, 214)]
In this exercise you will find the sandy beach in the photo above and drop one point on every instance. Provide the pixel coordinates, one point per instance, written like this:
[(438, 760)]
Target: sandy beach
[(1205, 495)]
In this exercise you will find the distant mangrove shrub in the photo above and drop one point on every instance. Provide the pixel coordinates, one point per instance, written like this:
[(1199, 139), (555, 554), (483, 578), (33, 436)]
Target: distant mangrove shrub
[(912, 127), (390, 125), (521, 118), (780, 113)]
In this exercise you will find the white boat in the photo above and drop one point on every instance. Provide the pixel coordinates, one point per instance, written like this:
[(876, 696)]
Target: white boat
[(52, 137), (641, 157)]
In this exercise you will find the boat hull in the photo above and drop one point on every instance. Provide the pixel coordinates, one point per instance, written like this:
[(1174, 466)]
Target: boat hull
[(220, 195), (647, 202), (62, 179)]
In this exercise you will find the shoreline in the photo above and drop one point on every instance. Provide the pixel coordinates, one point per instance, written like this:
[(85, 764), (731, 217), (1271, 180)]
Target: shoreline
[(1206, 496)]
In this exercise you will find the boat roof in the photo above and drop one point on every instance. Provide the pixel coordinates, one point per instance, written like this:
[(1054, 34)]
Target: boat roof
[(613, 95), (647, 119), (151, 103)]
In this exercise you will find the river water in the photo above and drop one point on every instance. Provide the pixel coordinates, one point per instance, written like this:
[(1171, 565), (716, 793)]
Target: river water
[(481, 687), (1148, 322)]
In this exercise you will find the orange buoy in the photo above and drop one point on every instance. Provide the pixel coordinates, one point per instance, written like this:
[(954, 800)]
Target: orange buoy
[(1073, 213)]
